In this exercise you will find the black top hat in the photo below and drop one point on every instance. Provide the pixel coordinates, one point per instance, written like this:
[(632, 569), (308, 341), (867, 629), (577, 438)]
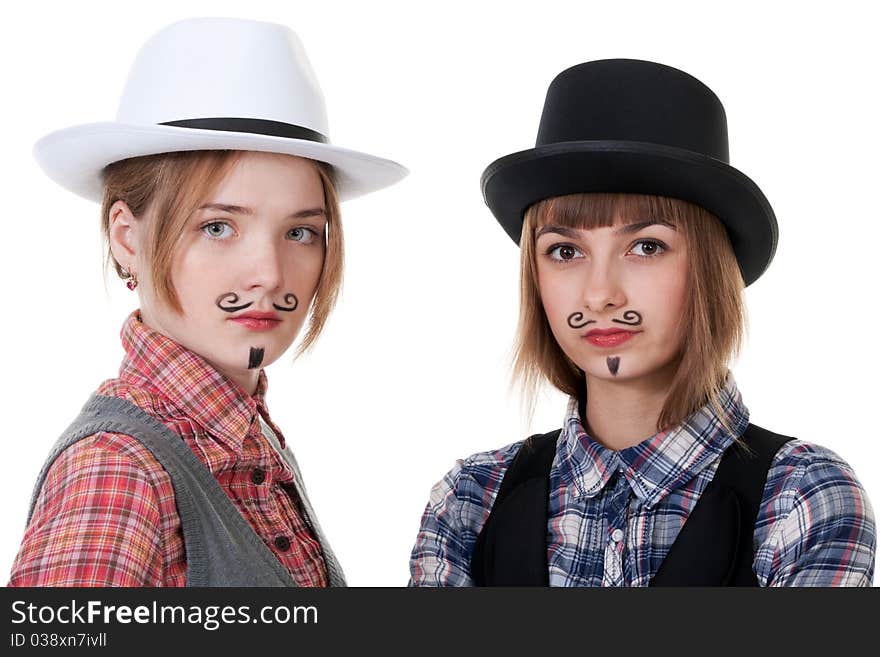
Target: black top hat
[(625, 125)]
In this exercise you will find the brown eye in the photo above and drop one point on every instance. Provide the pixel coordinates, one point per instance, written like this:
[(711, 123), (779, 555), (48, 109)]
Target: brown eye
[(648, 248), (563, 252)]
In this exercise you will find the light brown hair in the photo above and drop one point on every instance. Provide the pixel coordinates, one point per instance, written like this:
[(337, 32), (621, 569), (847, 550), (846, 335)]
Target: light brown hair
[(171, 186), (714, 318)]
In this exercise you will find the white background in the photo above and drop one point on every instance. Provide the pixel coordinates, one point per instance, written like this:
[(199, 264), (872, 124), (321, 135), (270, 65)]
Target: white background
[(412, 371)]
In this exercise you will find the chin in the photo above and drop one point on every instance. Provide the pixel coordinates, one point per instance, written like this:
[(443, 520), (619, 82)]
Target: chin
[(627, 367)]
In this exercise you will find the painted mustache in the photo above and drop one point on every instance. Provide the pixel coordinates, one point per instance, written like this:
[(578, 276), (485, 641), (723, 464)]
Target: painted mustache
[(290, 298), (630, 318), (227, 303)]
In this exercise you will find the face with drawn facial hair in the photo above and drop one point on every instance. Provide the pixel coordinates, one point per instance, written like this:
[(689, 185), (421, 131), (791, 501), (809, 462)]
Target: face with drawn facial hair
[(247, 266), (614, 296)]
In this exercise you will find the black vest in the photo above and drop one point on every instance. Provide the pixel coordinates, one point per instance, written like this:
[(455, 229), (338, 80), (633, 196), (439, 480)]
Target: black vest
[(713, 548)]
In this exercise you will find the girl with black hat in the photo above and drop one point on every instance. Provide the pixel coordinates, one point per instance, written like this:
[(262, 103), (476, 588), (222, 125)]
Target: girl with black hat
[(637, 238), (220, 204)]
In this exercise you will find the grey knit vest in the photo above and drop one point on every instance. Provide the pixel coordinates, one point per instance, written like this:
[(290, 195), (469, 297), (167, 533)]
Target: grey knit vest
[(222, 549)]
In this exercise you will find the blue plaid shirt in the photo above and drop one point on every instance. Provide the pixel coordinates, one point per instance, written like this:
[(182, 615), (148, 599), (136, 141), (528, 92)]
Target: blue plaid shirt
[(613, 515)]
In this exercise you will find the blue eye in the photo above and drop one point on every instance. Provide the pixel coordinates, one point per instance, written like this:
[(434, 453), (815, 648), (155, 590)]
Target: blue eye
[(563, 252), (302, 234), (649, 248), (206, 229)]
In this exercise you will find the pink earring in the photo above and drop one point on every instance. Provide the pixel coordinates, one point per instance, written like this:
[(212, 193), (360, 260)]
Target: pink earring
[(132, 281)]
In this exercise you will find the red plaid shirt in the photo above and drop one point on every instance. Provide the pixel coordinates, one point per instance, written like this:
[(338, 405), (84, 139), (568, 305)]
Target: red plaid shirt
[(106, 515)]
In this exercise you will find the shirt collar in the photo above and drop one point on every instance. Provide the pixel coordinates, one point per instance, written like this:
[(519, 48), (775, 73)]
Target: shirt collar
[(191, 384), (659, 464)]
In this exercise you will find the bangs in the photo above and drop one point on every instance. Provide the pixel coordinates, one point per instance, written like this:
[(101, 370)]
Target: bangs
[(604, 209)]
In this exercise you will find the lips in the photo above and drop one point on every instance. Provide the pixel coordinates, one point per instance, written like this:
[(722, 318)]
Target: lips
[(256, 320), (610, 331), (609, 337), (253, 314)]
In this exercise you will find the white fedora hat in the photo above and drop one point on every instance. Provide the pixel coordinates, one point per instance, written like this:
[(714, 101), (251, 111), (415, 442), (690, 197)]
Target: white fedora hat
[(213, 83)]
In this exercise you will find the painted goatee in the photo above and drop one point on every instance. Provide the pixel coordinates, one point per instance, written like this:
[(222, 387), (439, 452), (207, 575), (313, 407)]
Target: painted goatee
[(255, 357), (613, 364)]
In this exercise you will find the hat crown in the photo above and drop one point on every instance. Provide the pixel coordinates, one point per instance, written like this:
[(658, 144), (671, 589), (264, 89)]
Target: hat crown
[(223, 67), (634, 100)]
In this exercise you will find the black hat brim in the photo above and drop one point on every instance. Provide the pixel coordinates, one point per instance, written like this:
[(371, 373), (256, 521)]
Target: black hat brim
[(514, 182)]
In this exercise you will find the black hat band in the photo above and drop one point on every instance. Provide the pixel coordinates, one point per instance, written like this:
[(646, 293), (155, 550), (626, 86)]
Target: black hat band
[(253, 126)]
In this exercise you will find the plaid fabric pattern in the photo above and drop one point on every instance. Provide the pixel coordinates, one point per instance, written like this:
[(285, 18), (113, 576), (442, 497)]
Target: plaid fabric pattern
[(613, 515), (106, 515)]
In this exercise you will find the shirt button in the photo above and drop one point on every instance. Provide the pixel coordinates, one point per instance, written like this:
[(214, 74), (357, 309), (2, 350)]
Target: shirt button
[(258, 476), (617, 535), (282, 543)]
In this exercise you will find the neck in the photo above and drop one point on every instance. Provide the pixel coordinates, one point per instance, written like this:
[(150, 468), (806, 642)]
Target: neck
[(620, 414), (247, 380)]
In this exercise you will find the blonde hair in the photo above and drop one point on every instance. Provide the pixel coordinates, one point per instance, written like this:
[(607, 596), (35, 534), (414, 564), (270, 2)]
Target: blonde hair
[(714, 318), (171, 186)]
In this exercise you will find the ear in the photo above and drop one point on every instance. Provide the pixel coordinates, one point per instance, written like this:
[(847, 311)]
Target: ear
[(124, 235)]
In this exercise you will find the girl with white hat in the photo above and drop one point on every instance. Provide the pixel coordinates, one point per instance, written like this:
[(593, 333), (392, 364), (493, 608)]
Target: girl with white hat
[(220, 199), (637, 238)]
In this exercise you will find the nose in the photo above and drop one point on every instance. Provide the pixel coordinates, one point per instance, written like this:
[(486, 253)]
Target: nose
[(602, 290), (265, 267)]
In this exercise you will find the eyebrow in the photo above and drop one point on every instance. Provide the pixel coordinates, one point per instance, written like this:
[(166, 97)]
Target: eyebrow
[(628, 229), (239, 209)]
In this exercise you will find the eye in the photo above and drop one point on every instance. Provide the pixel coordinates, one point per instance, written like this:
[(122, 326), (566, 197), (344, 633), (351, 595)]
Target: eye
[(563, 252), (648, 248), (211, 231), (302, 234)]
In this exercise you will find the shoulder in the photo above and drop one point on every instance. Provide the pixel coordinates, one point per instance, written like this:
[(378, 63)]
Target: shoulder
[(123, 446), (816, 524), (112, 466), (480, 474), (101, 518), (481, 471), (105, 447), (456, 511), (112, 462), (140, 395), (804, 468), (467, 491)]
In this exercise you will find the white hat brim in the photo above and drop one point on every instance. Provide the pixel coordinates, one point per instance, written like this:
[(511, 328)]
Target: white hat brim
[(75, 157)]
